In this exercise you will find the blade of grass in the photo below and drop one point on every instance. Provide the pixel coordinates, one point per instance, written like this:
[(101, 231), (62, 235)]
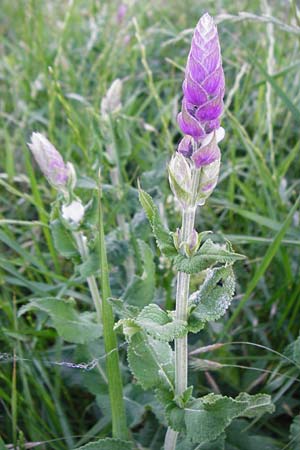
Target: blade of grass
[(271, 252), (115, 387)]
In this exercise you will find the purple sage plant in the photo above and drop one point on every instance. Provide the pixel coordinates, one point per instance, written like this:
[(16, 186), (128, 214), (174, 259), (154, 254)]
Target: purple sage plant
[(194, 169)]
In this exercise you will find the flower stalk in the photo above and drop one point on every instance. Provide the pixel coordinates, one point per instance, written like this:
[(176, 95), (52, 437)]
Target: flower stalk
[(91, 280)]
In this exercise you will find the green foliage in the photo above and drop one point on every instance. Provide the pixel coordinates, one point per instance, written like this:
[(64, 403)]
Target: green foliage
[(158, 324), (57, 64), (151, 361), (239, 436), (295, 433), (107, 444), (163, 237), (207, 256), (63, 239), (213, 298), (206, 418), (71, 325), (90, 266), (140, 291)]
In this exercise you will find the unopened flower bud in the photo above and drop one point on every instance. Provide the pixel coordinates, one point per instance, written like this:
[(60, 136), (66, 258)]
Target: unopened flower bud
[(208, 180), (49, 160), (121, 13), (111, 102), (180, 178), (73, 213)]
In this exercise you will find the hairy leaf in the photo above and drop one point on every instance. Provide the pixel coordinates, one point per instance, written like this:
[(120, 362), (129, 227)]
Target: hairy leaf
[(63, 239), (163, 237), (140, 291), (151, 361), (207, 256), (213, 298), (107, 444), (71, 325), (206, 418), (159, 325)]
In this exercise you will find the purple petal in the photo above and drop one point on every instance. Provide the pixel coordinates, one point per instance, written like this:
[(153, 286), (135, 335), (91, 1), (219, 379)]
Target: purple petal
[(211, 110), (185, 146), (193, 92), (195, 68), (212, 60), (214, 82), (207, 154), (212, 125), (188, 124)]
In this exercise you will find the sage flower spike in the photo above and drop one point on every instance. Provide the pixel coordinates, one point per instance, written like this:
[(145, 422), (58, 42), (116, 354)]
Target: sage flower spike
[(204, 83), (50, 161)]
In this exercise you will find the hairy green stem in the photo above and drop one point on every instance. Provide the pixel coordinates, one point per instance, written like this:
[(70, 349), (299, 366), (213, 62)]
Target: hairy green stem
[(91, 281), (115, 388), (181, 313)]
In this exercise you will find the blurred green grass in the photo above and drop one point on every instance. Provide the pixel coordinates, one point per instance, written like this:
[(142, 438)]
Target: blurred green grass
[(58, 59)]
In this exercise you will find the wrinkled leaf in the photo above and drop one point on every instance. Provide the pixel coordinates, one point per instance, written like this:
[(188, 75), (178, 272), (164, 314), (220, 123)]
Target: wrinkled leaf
[(205, 419), (151, 361), (207, 256), (156, 322), (213, 298)]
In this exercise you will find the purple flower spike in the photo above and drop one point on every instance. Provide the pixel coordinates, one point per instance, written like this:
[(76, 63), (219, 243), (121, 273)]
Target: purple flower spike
[(204, 83), (50, 161)]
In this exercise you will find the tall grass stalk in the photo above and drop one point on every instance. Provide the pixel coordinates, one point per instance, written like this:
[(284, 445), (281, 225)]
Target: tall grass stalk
[(115, 387)]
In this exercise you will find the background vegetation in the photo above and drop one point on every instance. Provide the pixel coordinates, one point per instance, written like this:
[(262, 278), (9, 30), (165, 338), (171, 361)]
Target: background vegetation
[(58, 59)]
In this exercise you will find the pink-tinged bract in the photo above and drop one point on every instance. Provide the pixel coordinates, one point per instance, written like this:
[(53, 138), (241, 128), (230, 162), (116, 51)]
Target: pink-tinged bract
[(204, 83)]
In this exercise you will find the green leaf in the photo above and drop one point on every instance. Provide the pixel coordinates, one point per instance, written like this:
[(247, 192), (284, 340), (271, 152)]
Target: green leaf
[(107, 444), (295, 433), (140, 291), (186, 444), (206, 418), (71, 325), (90, 266), (122, 309), (63, 239), (151, 361), (207, 256), (163, 236), (158, 324), (213, 298)]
